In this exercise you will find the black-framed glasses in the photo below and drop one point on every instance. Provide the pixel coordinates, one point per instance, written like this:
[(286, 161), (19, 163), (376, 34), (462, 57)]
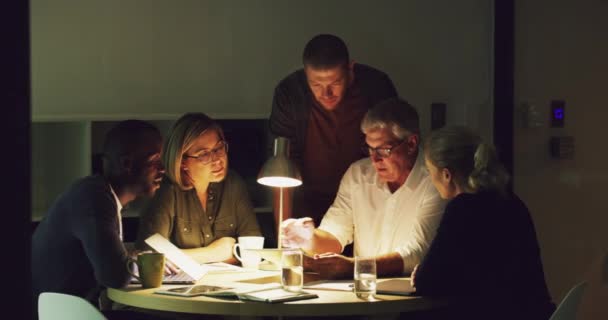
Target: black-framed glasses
[(207, 156), (382, 152)]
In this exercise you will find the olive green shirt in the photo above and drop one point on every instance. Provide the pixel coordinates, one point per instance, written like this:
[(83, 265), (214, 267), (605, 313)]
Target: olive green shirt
[(178, 215)]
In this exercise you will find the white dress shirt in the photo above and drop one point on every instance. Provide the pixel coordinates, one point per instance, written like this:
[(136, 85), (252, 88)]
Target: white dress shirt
[(380, 222)]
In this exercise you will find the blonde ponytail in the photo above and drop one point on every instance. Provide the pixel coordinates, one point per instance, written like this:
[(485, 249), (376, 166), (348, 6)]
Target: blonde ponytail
[(487, 171), (473, 163)]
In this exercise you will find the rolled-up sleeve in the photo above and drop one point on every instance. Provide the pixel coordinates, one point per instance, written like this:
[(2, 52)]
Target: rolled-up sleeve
[(339, 217)]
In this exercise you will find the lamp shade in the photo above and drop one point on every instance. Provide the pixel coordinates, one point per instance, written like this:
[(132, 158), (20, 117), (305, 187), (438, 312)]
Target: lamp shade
[(279, 171)]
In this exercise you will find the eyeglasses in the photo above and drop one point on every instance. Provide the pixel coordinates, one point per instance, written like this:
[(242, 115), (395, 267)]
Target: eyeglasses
[(382, 152), (207, 156)]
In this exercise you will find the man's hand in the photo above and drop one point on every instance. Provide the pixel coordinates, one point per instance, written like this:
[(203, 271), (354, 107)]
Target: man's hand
[(330, 265), (297, 233), (170, 268)]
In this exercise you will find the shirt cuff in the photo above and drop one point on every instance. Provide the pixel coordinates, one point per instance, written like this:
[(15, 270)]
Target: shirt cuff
[(410, 259)]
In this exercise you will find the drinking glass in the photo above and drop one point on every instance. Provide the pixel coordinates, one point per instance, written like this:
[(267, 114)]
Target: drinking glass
[(292, 270), (365, 277)]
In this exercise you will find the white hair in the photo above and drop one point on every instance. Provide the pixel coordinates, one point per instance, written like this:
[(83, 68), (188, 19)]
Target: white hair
[(395, 114)]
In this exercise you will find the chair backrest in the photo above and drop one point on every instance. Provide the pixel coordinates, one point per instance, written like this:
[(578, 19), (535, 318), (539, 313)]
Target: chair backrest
[(568, 308), (56, 306), (594, 304)]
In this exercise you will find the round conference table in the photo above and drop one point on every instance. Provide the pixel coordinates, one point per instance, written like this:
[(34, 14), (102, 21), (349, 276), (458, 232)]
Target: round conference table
[(329, 303)]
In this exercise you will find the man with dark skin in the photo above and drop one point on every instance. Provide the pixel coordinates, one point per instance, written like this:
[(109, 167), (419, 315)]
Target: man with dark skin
[(77, 248)]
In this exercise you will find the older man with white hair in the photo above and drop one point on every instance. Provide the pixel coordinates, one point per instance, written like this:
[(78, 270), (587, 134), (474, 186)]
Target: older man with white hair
[(386, 204)]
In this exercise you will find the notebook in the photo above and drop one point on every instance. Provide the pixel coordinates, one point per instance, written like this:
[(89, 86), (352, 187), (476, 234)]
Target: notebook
[(400, 287), (190, 270)]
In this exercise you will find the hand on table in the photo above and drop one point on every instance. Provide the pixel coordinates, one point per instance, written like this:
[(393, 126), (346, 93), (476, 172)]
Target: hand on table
[(297, 233), (330, 265)]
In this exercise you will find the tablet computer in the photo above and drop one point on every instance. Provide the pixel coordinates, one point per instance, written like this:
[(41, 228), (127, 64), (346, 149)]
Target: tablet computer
[(193, 291)]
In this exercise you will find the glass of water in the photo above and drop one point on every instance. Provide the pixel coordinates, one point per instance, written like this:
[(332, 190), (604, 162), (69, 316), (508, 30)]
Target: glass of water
[(365, 277), (292, 270)]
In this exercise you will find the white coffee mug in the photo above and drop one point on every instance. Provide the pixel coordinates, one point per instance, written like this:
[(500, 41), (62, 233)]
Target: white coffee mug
[(248, 259)]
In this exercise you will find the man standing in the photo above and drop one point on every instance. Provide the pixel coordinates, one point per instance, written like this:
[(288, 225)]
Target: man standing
[(386, 204), (319, 109), (77, 249)]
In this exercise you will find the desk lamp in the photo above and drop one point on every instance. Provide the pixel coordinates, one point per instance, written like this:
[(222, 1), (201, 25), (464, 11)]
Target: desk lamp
[(280, 172)]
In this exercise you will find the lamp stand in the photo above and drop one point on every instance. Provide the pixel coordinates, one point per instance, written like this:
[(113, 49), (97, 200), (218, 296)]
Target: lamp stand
[(280, 217)]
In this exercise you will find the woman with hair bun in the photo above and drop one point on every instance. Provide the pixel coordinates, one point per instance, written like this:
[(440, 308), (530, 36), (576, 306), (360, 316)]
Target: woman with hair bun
[(485, 255)]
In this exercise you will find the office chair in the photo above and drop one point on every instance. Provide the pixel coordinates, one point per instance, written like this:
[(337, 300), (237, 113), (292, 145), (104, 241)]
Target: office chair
[(56, 306), (568, 308)]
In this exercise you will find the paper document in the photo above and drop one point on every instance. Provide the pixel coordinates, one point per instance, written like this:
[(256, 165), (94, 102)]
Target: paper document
[(217, 291), (221, 267), (276, 295), (177, 256), (345, 285)]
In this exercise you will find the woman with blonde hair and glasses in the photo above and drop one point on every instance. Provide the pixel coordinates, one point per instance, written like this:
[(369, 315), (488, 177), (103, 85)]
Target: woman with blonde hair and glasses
[(201, 206), (485, 251)]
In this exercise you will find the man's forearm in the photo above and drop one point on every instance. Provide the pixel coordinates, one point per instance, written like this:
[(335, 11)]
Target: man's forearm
[(218, 250), (390, 264), (322, 242)]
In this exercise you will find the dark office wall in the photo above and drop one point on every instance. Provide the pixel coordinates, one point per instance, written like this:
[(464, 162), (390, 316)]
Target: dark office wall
[(113, 59), (561, 52), (15, 160), (155, 59)]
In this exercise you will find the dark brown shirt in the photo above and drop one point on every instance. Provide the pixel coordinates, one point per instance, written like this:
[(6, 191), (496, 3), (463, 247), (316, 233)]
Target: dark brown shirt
[(324, 144), (179, 216), (333, 142)]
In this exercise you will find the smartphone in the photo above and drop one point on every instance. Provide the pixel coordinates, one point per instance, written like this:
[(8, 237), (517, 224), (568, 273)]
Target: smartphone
[(193, 291)]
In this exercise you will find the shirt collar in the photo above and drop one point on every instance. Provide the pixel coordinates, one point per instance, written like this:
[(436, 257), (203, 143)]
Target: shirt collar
[(118, 204), (417, 173)]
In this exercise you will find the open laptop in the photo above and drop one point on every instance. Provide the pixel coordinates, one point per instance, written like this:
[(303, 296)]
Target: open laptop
[(190, 270)]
